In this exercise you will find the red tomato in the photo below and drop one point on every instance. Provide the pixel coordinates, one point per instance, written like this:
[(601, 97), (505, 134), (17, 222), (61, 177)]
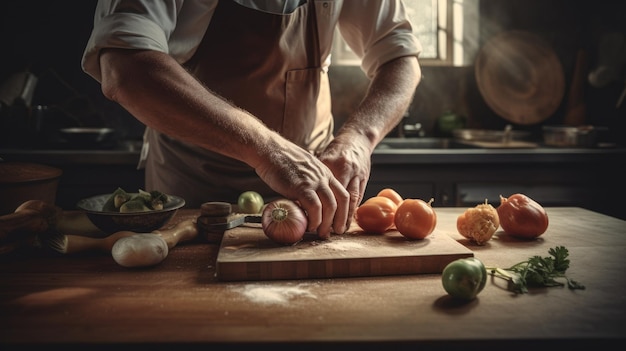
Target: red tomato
[(522, 217), (391, 194), (376, 214), (415, 218)]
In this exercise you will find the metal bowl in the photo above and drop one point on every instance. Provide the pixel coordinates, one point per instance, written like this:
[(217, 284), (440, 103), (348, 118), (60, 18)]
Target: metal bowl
[(567, 136), (140, 222), (489, 135), (87, 136)]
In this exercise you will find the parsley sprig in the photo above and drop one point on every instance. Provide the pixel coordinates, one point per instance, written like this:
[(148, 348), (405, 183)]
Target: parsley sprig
[(538, 271)]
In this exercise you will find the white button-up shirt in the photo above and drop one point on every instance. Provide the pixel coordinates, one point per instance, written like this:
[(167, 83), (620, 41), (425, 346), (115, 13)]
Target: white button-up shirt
[(376, 30)]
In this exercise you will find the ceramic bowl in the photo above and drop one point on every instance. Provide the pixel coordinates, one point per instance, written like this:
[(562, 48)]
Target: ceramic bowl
[(140, 222)]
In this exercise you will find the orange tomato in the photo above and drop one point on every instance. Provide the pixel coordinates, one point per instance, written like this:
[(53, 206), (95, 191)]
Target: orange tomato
[(376, 214), (391, 194), (415, 218)]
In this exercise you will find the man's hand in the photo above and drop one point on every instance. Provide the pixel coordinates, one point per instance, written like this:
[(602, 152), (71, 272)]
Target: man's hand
[(300, 176), (349, 160)]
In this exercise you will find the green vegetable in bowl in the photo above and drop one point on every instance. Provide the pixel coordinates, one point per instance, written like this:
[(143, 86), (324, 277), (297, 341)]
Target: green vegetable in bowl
[(123, 202), (157, 200), (153, 200), (116, 200), (136, 204)]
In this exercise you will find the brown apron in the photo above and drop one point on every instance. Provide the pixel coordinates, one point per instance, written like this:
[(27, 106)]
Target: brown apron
[(268, 64)]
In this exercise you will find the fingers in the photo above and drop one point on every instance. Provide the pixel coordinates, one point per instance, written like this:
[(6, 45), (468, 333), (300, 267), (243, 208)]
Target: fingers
[(348, 189), (311, 204), (320, 190), (343, 209), (327, 208), (355, 188)]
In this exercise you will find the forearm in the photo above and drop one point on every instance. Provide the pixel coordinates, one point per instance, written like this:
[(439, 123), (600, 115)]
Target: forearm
[(162, 95), (388, 97)]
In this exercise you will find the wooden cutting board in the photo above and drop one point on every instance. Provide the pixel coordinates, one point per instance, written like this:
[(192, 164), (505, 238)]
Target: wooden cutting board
[(247, 254)]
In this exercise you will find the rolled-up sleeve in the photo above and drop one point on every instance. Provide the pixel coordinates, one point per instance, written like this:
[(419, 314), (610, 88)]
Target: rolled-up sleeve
[(377, 32), (143, 25)]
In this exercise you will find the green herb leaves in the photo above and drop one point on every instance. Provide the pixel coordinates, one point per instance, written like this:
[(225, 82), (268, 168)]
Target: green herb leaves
[(538, 271)]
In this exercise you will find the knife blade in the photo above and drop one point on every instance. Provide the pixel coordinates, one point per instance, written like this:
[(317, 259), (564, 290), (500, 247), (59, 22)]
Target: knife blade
[(228, 222)]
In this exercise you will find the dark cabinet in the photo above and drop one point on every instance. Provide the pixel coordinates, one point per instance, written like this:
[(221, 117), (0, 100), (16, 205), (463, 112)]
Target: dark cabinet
[(587, 178), (81, 181), (591, 179)]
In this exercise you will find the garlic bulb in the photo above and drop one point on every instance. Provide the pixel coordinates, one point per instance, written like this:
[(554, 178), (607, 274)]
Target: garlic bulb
[(140, 250)]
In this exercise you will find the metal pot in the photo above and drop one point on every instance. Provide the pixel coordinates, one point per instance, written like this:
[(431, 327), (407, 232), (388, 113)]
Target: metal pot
[(568, 136), (87, 137), (490, 135)]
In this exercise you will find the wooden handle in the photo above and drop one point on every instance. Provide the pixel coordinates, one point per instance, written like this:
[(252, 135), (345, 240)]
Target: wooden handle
[(210, 213), (76, 222), (215, 209), (183, 231), (79, 243)]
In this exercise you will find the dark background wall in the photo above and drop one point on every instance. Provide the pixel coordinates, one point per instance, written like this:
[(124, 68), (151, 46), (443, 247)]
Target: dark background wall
[(567, 26), (48, 38)]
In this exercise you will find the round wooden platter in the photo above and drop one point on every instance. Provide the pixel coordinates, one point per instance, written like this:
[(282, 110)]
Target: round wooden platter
[(520, 77)]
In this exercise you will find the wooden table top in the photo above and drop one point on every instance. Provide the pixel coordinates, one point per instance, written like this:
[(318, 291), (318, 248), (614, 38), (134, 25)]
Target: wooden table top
[(88, 299)]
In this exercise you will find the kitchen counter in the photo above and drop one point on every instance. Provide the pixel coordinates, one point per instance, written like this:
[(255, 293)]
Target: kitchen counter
[(87, 300), (475, 155), (128, 154), (60, 157)]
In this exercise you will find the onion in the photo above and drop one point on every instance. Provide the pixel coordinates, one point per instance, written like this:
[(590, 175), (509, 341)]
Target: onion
[(284, 222)]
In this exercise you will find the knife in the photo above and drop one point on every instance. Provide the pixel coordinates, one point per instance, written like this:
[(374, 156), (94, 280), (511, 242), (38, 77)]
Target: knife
[(228, 222), (218, 217)]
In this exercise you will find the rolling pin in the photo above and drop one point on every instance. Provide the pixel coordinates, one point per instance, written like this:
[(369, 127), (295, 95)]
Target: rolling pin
[(129, 249), (70, 244), (149, 249)]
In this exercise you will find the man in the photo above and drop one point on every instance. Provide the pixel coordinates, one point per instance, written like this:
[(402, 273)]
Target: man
[(235, 95)]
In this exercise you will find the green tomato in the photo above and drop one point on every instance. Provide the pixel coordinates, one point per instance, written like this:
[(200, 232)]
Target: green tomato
[(464, 278), (250, 202)]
